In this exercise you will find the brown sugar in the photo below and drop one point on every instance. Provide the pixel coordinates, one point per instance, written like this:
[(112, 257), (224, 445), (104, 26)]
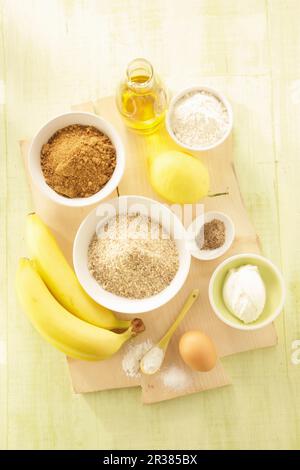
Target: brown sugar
[(78, 161)]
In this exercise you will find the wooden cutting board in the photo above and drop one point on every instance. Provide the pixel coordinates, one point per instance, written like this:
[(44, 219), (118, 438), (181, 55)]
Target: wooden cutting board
[(108, 374)]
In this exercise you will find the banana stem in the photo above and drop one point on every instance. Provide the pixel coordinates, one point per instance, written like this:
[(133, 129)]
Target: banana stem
[(136, 327), (121, 326)]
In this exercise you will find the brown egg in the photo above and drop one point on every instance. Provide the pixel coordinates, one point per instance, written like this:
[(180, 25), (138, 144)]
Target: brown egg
[(198, 351)]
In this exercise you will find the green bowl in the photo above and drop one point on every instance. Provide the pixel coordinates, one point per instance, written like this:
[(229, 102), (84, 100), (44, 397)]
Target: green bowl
[(275, 290)]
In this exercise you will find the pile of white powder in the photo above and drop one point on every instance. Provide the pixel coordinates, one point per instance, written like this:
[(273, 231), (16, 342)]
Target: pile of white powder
[(175, 378), (132, 357), (199, 119)]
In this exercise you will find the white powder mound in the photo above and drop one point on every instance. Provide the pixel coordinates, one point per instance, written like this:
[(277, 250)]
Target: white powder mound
[(199, 119), (175, 378), (133, 356), (153, 360)]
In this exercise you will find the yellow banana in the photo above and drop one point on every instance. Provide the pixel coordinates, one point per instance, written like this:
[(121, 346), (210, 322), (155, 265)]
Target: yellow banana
[(61, 280), (69, 334)]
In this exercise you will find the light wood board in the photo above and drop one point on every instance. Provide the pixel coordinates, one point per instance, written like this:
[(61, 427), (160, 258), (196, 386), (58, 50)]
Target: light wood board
[(54, 53), (103, 375)]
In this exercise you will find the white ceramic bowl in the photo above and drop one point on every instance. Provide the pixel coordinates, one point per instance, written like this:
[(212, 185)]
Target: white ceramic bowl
[(193, 89), (274, 284), (195, 227), (98, 217), (44, 134)]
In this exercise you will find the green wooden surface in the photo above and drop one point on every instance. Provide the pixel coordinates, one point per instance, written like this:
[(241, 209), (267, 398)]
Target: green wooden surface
[(55, 53)]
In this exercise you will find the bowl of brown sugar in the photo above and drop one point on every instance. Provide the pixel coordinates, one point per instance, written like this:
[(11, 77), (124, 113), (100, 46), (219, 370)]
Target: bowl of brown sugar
[(77, 159)]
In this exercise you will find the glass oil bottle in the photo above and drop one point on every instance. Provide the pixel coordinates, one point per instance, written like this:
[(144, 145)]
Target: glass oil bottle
[(141, 98)]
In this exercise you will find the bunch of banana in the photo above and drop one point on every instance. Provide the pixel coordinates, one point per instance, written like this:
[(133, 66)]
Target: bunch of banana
[(59, 308), (61, 280)]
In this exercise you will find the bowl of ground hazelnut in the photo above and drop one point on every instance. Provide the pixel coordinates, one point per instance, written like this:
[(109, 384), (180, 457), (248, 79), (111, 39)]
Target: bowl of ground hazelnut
[(77, 159), (130, 254)]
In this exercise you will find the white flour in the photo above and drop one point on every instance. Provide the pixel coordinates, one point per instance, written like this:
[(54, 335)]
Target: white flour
[(131, 360), (174, 378), (199, 119), (153, 360)]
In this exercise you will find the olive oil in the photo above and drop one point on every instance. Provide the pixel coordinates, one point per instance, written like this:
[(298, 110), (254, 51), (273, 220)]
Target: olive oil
[(141, 98)]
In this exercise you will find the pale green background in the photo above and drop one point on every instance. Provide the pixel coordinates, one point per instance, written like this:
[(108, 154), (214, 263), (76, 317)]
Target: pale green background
[(54, 53)]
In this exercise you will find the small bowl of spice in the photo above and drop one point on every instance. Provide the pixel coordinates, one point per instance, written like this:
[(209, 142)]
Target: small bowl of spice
[(210, 235), (199, 118), (77, 159)]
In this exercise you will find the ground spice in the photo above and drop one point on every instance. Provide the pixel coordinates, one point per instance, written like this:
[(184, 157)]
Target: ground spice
[(212, 235), (132, 256), (78, 161)]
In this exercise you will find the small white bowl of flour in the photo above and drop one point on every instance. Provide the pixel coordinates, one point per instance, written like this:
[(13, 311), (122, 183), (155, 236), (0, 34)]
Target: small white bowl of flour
[(199, 118)]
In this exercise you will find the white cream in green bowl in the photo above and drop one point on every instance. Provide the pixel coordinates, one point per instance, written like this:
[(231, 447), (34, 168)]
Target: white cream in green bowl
[(247, 291)]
